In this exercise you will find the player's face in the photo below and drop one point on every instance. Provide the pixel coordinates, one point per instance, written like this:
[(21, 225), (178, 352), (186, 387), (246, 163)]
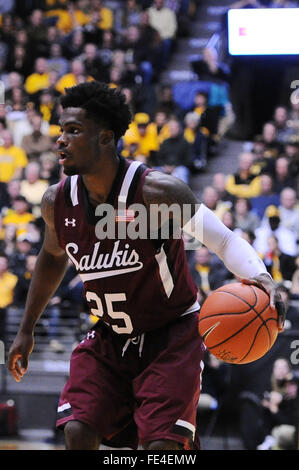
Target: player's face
[(78, 146)]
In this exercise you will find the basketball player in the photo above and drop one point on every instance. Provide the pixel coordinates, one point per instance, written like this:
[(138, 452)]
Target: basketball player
[(135, 378)]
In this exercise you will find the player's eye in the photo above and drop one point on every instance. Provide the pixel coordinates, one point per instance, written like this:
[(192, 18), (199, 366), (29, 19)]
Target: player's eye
[(74, 130)]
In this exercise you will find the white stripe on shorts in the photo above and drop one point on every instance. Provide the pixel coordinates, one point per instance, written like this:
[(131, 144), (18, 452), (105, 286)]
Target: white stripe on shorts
[(185, 424), (63, 407)]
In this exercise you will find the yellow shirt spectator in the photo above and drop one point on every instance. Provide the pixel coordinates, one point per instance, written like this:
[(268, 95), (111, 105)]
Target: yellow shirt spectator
[(20, 220), (12, 159), (36, 82), (252, 189), (139, 133), (106, 21), (7, 284), (64, 21), (67, 81), (161, 134)]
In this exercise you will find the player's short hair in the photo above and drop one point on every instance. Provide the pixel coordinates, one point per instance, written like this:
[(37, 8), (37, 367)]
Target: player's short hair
[(106, 105)]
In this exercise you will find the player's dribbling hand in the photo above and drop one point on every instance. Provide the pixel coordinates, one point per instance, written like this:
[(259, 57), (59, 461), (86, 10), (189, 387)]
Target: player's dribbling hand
[(18, 355), (266, 282)]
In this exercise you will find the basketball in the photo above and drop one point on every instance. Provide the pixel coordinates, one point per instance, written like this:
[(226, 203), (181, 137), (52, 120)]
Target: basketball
[(237, 323)]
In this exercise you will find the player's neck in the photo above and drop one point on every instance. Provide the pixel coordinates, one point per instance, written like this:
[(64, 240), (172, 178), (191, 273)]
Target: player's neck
[(99, 182)]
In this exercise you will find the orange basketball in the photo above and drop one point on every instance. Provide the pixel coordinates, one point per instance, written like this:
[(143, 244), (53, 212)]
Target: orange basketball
[(237, 323)]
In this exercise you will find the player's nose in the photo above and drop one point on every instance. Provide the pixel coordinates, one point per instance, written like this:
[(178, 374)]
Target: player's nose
[(61, 141)]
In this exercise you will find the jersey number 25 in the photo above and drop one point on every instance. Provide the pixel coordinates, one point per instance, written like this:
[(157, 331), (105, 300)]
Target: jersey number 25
[(109, 299)]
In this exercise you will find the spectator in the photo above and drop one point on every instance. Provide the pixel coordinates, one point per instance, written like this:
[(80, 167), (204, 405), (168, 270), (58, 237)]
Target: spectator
[(244, 183), (141, 136), (92, 33), (280, 265), (292, 314), (272, 147), (275, 408), (4, 196), (282, 177), (164, 21), (32, 187), (25, 126), (208, 68), (245, 219), (219, 183), (228, 219), (284, 132), (291, 151), (130, 16), (210, 197), (262, 162), (295, 281), (174, 155), (17, 260), (13, 190), (289, 213), (18, 61), (280, 403), (7, 285), (93, 64), (56, 61), (19, 216), (49, 167), (266, 198), (75, 46), (39, 80), (106, 15), (12, 158), (248, 236), (197, 139), (77, 75), (166, 101), (37, 34), (272, 226), (159, 126), (208, 271), (36, 143), (150, 46)]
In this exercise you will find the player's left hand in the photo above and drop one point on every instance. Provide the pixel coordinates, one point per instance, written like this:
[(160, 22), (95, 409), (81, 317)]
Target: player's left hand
[(266, 282)]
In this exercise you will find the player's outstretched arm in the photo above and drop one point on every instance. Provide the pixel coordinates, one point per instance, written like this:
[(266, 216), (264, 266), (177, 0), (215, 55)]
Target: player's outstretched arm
[(49, 271), (238, 256)]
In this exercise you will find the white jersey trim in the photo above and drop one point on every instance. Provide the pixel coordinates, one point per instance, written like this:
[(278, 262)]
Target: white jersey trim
[(74, 190), (124, 190), (165, 274)]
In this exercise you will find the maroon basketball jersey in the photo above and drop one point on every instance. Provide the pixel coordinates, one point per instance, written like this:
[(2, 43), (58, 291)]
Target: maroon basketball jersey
[(132, 285)]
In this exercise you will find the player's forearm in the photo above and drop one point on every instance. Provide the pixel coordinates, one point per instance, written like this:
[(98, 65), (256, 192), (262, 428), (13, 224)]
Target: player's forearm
[(238, 256), (47, 276)]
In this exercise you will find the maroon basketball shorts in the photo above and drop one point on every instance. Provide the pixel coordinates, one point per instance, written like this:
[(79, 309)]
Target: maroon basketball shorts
[(138, 390)]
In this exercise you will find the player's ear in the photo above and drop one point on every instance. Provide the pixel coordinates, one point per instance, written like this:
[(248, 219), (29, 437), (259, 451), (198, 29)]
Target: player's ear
[(106, 137)]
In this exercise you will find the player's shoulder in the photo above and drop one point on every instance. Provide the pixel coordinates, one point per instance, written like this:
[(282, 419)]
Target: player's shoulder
[(161, 188), (47, 204)]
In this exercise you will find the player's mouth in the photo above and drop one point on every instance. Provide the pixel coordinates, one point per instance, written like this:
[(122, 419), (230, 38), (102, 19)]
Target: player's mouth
[(63, 156)]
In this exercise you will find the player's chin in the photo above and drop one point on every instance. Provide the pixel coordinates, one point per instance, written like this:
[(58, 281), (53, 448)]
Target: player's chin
[(70, 170)]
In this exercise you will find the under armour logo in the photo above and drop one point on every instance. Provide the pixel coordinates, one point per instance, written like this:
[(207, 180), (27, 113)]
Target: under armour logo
[(68, 222), (91, 334)]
